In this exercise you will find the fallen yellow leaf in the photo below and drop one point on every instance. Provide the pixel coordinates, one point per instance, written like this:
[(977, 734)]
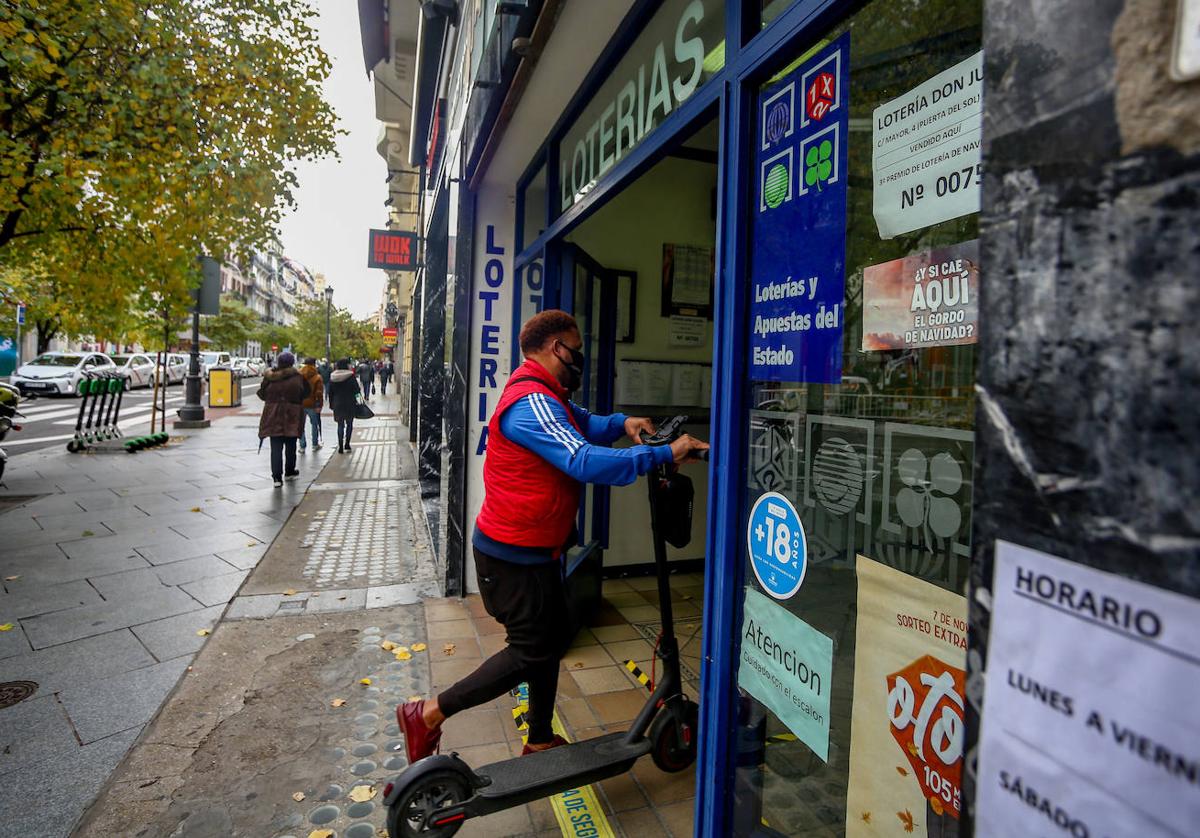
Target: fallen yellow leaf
[(448, 649), (366, 682), (337, 702), (414, 698), (6, 627), (11, 578), (255, 544), (387, 645), (321, 833), (195, 509), (298, 796), (361, 794), (418, 647), (203, 632), (403, 656), (290, 592)]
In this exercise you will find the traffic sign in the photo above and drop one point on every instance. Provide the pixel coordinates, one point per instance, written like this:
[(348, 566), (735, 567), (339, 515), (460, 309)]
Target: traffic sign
[(21, 314)]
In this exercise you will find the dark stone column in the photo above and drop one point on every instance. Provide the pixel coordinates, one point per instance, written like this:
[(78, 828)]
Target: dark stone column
[(432, 358), (458, 332), (1089, 379)]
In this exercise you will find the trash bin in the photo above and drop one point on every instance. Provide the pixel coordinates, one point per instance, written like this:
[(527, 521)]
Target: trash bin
[(224, 388)]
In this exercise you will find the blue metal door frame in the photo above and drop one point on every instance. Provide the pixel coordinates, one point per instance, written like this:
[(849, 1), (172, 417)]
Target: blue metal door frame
[(751, 57)]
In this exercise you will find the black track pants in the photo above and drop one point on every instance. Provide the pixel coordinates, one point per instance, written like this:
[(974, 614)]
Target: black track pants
[(530, 601)]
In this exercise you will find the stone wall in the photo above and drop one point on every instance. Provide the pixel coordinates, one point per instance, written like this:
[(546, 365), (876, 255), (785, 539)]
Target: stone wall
[(1089, 379)]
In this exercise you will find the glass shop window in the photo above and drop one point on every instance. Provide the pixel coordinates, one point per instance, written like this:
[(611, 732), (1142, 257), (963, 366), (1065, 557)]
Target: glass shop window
[(863, 296)]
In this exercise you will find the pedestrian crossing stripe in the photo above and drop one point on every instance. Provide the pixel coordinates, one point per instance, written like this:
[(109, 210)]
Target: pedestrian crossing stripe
[(642, 677), (578, 811)]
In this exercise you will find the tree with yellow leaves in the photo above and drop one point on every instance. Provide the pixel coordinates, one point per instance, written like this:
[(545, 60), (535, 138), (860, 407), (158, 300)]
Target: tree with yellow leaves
[(135, 136)]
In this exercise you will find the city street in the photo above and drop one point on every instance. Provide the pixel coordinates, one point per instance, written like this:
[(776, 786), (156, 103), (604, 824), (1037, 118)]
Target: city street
[(51, 421)]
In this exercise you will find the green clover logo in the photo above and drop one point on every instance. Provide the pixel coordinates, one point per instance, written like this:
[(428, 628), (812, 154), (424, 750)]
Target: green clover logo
[(817, 163)]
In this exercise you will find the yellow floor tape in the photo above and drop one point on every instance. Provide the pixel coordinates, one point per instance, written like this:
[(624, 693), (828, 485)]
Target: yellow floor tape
[(578, 811)]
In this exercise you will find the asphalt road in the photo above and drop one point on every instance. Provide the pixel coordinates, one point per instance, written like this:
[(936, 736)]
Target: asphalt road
[(50, 421)]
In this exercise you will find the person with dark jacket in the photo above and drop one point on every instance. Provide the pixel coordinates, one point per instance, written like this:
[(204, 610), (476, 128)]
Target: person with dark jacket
[(385, 375), (326, 370), (366, 377), (284, 390), (343, 398)]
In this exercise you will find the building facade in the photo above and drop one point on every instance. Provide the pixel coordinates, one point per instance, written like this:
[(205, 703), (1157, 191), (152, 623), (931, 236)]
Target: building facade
[(914, 269)]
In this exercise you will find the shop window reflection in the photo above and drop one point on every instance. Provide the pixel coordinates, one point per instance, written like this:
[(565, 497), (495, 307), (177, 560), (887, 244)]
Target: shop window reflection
[(879, 465)]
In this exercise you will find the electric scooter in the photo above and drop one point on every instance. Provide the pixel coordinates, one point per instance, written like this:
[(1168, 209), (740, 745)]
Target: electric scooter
[(433, 796)]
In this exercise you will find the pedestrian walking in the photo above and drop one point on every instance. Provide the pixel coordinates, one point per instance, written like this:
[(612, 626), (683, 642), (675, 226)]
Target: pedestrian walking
[(325, 369), (284, 390), (385, 375), (366, 377), (315, 401), (343, 398)]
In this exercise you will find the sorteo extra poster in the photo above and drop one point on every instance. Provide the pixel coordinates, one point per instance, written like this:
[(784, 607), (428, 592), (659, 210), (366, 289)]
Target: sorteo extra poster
[(906, 729), (925, 299)]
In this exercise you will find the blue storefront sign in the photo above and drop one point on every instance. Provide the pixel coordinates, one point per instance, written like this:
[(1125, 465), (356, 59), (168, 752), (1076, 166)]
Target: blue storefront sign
[(798, 243), (777, 545)]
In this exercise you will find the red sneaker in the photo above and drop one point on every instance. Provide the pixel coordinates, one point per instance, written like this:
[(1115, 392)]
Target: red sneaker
[(419, 741), (553, 743)]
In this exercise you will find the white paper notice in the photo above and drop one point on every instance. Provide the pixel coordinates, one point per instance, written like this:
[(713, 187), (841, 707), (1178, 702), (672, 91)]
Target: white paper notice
[(926, 151), (1091, 724), (686, 331)]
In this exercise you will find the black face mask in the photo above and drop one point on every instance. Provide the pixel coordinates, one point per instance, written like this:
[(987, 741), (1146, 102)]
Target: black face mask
[(574, 368)]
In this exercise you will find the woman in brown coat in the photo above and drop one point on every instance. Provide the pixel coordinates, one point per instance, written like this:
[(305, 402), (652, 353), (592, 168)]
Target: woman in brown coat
[(284, 391)]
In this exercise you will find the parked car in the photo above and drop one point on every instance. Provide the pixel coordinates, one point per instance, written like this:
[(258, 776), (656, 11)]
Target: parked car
[(176, 368), (58, 373), (208, 360), (138, 369), (247, 367)]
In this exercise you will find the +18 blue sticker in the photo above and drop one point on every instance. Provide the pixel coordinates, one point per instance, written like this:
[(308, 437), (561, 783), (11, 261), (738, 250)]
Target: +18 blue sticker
[(777, 544)]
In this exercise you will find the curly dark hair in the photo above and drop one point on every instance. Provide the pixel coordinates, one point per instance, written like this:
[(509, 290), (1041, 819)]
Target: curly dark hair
[(539, 329)]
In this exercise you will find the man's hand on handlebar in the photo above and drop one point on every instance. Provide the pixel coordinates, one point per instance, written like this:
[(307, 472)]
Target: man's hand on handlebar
[(688, 449), (635, 426)]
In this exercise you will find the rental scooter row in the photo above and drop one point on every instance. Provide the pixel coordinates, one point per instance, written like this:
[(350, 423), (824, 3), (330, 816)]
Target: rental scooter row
[(102, 393)]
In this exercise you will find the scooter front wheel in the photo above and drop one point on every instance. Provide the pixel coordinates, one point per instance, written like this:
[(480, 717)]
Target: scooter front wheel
[(409, 816), (673, 737)]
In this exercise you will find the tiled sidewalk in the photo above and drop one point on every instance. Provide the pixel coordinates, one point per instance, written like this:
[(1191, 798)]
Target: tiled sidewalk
[(596, 695)]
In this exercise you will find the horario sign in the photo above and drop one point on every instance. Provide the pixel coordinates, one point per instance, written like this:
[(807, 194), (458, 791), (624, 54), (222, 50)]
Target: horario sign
[(392, 250)]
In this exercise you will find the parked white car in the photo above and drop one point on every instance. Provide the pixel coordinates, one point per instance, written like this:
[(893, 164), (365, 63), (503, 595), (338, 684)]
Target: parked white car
[(208, 360), (247, 367), (58, 373), (176, 367), (138, 369)]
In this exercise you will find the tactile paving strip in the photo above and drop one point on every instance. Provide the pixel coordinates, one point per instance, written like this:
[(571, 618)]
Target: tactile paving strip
[(357, 542)]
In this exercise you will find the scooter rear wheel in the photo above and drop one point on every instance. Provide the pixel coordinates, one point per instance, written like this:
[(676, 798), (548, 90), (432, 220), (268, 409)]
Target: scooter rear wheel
[(408, 816), (665, 737)]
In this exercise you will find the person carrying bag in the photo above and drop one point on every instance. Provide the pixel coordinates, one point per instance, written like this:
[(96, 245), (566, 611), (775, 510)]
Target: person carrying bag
[(345, 399)]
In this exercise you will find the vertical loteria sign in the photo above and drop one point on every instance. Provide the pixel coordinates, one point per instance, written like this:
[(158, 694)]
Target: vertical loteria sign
[(492, 293)]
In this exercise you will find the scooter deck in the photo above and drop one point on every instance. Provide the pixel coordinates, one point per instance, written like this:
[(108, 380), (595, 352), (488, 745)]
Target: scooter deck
[(557, 769)]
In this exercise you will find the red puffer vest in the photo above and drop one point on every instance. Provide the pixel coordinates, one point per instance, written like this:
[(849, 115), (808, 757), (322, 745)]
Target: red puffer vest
[(527, 502)]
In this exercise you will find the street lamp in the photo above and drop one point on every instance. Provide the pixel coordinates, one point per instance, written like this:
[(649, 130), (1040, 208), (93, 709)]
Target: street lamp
[(328, 337)]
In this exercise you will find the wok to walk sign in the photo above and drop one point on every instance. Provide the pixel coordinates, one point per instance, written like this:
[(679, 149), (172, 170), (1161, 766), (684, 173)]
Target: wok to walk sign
[(392, 250), (907, 726)]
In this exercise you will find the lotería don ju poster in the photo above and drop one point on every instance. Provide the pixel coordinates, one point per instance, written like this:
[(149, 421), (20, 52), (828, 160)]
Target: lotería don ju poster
[(906, 726)]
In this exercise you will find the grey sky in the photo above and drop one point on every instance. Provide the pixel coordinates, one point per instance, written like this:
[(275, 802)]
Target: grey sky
[(339, 200)]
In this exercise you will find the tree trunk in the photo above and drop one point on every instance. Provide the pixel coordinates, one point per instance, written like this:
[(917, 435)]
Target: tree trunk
[(46, 330)]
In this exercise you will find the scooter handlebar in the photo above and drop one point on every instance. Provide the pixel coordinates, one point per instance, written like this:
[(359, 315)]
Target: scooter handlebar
[(668, 432)]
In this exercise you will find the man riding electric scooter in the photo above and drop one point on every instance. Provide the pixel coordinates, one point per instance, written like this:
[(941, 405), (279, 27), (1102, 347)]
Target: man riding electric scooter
[(541, 449)]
